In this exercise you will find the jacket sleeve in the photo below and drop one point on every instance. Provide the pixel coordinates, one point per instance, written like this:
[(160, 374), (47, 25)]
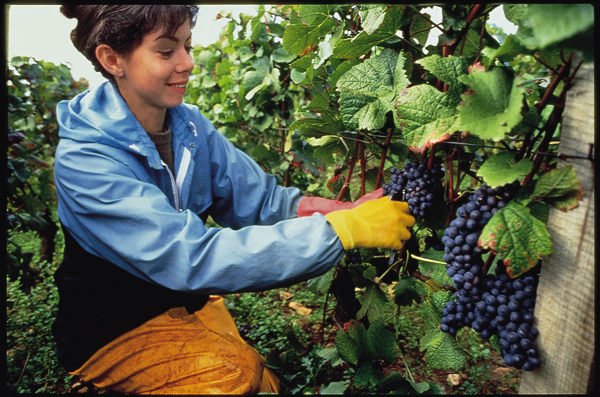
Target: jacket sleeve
[(242, 193), (115, 213)]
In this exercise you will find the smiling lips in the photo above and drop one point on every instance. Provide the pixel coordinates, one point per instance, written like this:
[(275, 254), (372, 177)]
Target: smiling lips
[(179, 87)]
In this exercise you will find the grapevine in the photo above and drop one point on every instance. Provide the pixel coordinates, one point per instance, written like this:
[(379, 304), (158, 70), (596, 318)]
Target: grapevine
[(339, 100)]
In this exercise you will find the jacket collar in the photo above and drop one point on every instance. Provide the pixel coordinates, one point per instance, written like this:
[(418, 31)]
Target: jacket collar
[(102, 116)]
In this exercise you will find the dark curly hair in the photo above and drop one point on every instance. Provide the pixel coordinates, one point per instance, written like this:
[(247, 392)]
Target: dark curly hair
[(122, 27)]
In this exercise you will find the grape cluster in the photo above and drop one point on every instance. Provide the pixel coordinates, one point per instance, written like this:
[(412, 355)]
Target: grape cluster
[(420, 183), (490, 304)]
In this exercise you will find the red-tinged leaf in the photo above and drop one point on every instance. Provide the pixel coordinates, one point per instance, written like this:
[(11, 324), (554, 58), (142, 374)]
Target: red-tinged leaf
[(558, 183), (518, 237), (426, 116), (566, 203), (335, 184)]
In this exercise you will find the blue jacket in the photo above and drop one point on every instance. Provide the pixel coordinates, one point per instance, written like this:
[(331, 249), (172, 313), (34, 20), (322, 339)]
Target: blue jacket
[(122, 204)]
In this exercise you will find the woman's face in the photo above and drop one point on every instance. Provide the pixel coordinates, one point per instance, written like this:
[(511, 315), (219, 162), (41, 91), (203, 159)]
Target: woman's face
[(156, 73)]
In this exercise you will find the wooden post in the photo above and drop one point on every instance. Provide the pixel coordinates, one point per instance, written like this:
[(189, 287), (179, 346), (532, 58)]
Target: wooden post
[(564, 312)]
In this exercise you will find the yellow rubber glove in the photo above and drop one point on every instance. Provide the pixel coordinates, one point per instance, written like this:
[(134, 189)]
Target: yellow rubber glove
[(379, 223)]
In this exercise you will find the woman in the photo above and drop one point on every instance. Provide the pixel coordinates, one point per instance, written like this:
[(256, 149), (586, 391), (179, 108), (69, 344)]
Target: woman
[(137, 174)]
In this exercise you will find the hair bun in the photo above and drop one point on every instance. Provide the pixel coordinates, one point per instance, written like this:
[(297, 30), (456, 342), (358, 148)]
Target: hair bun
[(69, 11)]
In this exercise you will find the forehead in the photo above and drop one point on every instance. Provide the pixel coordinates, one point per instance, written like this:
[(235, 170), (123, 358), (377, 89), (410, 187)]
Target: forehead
[(183, 32)]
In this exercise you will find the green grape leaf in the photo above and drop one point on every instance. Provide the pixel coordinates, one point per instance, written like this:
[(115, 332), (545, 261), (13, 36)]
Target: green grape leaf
[(257, 28), (341, 70), (557, 183), (280, 56), (351, 342), (433, 319), (447, 69), (406, 291), (426, 116), (372, 16), (435, 271), (510, 48), (335, 387), (374, 303), (442, 351), (347, 348), (320, 285), (303, 156), (439, 299), (418, 29), (492, 107), (567, 21), (421, 387), (363, 112), (329, 124), (326, 147), (452, 21), (303, 64), (367, 375), (560, 188), (263, 152), (514, 12), (363, 274), (359, 45), (318, 102), (368, 90), (254, 78), (381, 343), (474, 41), (518, 237), (499, 170), (315, 24), (539, 210)]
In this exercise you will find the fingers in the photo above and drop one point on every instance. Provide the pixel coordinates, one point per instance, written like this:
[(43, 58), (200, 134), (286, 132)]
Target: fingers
[(404, 220)]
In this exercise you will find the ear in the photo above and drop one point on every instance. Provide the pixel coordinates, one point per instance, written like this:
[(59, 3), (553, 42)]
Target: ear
[(109, 59)]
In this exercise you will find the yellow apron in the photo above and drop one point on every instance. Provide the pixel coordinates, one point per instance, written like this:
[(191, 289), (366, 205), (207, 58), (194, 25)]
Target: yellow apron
[(179, 353)]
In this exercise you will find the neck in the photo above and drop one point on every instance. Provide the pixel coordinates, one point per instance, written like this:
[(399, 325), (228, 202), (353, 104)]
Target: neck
[(151, 119)]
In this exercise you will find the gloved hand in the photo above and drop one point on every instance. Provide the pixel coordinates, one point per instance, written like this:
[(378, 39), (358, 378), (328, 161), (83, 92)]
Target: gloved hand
[(309, 205), (379, 223)]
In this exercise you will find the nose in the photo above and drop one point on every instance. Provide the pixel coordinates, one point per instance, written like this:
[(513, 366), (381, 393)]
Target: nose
[(186, 63)]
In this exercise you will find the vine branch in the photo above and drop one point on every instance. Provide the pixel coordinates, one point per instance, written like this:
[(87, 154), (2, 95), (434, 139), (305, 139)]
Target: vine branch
[(349, 175)]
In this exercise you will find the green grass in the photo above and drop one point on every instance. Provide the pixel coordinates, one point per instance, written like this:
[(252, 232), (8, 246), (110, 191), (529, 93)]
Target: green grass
[(32, 365)]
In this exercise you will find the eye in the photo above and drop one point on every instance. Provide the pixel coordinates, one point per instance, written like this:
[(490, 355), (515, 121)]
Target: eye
[(167, 53), (188, 48)]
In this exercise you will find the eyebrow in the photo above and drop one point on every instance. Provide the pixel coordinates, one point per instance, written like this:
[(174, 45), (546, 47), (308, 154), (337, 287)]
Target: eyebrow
[(172, 38)]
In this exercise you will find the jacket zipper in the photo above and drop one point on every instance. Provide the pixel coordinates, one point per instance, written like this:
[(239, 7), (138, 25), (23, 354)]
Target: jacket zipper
[(183, 167), (174, 187)]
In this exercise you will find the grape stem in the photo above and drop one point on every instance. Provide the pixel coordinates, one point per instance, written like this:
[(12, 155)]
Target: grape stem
[(399, 348), (426, 260), (324, 314)]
